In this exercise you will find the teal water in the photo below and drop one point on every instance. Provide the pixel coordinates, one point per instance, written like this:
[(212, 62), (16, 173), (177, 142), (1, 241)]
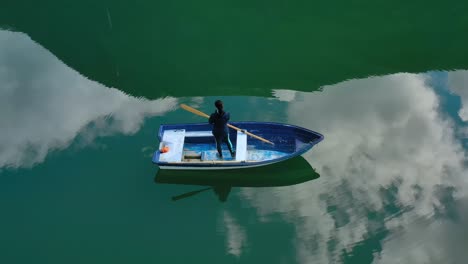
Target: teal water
[(85, 86)]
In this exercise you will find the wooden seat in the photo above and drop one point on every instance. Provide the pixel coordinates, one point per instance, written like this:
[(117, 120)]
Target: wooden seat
[(192, 155)]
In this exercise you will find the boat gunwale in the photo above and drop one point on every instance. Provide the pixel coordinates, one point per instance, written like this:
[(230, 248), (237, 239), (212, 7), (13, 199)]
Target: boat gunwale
[(162, 126)]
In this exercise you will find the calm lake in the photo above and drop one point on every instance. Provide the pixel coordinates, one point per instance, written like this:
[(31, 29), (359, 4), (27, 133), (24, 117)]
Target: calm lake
[(85, 85)]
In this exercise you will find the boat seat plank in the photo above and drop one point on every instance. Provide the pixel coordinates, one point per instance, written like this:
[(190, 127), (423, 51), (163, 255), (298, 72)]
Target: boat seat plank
[(198, 134), (174, 139), (241, 146)]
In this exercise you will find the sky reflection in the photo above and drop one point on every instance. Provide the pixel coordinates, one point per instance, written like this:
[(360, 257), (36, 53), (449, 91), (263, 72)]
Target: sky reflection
[(392, 165), (391, 162), (45, 105), (458, 84)]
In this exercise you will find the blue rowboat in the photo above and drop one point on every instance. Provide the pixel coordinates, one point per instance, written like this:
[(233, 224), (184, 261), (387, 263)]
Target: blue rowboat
[(192, 146)]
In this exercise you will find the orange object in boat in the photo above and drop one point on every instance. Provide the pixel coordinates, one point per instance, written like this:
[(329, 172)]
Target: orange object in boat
[(165, 149)]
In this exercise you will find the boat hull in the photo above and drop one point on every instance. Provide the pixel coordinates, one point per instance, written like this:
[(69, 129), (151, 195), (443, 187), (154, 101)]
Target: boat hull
[(292, 171), (214, 167)]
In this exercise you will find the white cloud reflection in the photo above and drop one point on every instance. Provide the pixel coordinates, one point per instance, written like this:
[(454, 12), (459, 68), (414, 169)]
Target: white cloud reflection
[(236, 237), (440, 241), (458, 83), (387, 162), (45, 105)]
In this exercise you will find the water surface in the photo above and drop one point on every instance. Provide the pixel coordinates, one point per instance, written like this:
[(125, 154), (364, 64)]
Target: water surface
[(81, 102)]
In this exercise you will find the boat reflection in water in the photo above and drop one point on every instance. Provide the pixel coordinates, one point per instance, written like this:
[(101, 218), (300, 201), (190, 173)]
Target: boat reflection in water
[(294, 171)]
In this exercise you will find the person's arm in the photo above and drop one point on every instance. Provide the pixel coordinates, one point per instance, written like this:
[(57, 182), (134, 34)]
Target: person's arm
[(211, 120), (227, 116)]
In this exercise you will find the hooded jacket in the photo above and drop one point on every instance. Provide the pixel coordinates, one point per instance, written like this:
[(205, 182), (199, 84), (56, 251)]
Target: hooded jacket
[(219, 121)]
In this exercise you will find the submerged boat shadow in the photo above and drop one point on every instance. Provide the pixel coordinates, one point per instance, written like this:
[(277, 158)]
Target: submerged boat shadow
[(290, 172)]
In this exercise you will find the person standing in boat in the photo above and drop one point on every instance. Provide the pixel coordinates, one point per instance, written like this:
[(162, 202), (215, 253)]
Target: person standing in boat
[(219, 119)]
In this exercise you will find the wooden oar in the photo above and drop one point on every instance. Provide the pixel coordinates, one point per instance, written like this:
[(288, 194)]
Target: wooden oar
[(200, 113)]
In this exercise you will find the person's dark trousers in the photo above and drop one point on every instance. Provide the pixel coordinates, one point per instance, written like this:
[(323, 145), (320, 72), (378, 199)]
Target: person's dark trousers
[(219, 139)]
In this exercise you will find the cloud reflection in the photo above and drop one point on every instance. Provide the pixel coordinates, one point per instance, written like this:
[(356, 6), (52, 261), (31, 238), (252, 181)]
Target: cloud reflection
[(442, 241), (388, 162), (458, 83), (45, 105), (236, 238)]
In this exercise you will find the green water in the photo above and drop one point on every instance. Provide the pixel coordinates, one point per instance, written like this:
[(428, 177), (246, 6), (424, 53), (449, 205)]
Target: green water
[(84, 87)]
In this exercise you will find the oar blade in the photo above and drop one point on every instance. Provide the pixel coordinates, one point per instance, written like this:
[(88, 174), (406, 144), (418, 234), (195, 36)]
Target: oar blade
[(193, 110)]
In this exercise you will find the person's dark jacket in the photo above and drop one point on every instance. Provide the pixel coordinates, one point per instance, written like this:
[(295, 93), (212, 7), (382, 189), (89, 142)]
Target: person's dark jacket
[(219, 122)]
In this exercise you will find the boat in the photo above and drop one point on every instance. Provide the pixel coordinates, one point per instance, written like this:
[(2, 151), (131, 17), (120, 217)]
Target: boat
[(192, 146)]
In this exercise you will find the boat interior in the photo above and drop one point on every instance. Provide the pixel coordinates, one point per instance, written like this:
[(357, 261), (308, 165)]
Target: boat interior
[(199, 146)]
